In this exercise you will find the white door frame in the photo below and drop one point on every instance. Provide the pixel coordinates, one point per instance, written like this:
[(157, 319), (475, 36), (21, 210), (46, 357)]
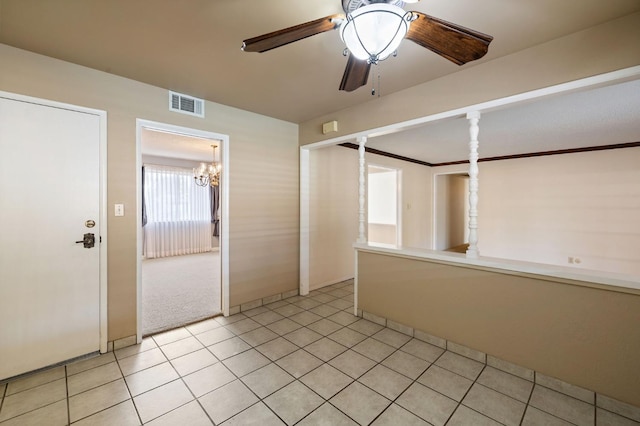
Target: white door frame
[(224, 208), (102, 116)]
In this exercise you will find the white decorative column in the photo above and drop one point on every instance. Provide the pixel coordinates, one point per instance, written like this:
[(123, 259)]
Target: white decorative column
[(362, 214), (362, 194), (305, 201), (474, 118)]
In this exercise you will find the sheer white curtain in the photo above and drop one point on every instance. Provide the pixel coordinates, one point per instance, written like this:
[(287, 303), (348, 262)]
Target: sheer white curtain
[(178, 213)]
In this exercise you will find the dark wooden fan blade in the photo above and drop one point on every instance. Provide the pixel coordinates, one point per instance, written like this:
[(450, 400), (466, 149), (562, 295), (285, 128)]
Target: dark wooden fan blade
[(458, 44), (279, 38), (355, 74)]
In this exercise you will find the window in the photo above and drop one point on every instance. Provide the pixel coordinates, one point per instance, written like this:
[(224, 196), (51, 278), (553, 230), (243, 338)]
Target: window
[(178, 212)]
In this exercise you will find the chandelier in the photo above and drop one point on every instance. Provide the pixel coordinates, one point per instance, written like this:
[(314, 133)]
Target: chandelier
[(373, 32), (208, 174)]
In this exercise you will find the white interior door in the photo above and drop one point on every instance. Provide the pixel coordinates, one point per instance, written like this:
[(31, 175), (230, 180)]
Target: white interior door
[(49, 188)]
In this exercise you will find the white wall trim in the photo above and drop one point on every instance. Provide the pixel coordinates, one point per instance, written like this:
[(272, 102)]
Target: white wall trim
[(614, 77), (305, 242), (224, 207), (355, 283), (104, 208), (583, 277), (399, 209)]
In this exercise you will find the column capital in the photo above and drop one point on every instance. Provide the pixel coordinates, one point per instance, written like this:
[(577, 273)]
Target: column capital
[(473, 114)]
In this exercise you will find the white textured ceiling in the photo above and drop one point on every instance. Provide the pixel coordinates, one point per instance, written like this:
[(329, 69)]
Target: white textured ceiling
[(602, 116), (172, 145)]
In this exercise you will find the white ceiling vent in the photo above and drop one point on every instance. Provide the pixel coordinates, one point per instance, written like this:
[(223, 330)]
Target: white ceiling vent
[(186, 104)]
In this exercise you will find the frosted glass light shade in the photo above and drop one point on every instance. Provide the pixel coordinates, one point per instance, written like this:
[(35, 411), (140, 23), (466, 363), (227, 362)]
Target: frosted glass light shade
[(374, 32)]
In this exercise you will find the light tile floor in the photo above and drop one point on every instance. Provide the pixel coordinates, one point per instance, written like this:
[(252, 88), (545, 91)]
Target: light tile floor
[(303, 360)]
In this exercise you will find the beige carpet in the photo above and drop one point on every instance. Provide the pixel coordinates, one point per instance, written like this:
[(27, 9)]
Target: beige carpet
[(179, 290)]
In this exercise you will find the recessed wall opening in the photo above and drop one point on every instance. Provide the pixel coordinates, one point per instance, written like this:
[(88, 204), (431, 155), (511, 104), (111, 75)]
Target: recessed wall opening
[(383, 205), (452, 212)]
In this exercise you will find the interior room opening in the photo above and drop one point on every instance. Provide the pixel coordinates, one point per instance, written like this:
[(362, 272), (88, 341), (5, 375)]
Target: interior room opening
[(181, 262), (452, 212), (382, 198)]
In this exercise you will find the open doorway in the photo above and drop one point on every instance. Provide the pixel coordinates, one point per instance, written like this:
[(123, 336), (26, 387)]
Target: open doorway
[(180, 268), (452, 212), (383, 215)]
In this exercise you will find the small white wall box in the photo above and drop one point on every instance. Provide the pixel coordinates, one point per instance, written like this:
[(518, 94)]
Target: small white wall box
[(330, 126)]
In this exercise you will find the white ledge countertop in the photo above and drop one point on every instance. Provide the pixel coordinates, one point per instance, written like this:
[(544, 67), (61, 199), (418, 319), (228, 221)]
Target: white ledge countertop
[(599, 278)]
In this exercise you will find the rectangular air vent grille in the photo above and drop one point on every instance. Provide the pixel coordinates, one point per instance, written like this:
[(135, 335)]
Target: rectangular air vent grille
[(186, 104)]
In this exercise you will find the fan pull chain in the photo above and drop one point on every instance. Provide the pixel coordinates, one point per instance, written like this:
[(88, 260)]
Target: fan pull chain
[(373, 83)]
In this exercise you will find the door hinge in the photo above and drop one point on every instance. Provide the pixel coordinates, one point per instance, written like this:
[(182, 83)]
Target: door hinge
[(100, 238)]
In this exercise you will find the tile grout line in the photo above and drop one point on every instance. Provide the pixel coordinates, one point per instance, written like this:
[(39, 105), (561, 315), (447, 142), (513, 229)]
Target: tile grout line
[(353, 380), (465, 395), (238, 378), (260, 400), (303, 348), (526, 408), (413, 381), (4, 396), (90, 389), (595, 409), (135, 407), (66, 385), (195, 398), (562, 393)]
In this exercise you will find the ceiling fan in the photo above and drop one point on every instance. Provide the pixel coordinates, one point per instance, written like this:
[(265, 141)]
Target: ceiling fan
[(372, 31)]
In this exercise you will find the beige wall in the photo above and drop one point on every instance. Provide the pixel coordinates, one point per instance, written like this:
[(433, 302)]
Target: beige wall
[(459, 201), (604, 48), (264, 209), (333, 211), (263, 176), (585, 336), (333, 226), (382, 233), (547, 209)]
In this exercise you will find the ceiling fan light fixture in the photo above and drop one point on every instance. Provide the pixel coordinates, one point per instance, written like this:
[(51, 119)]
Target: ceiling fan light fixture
[(373, 32)]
